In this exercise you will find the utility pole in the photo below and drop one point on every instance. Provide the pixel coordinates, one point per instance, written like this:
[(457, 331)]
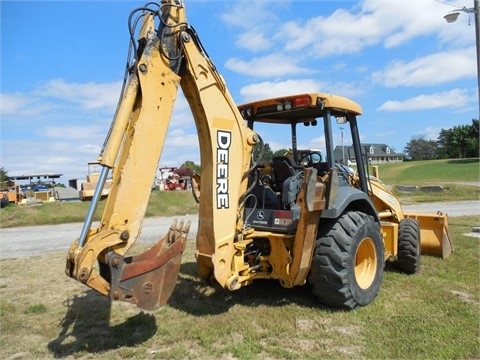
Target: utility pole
[(452, 17)]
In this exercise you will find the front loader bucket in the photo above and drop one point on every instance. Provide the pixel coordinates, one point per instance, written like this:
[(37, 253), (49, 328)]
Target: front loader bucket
[(434, 237), (148, 279)]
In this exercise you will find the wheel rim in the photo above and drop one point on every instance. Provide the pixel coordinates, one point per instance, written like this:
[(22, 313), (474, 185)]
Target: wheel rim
[(365, 263)]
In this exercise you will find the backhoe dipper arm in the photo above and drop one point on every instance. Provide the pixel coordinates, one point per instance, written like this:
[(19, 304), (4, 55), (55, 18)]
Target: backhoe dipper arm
[(164, 58)]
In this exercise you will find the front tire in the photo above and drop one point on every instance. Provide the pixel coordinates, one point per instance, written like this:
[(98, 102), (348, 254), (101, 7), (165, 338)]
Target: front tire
[(348, 261), (408, 256)]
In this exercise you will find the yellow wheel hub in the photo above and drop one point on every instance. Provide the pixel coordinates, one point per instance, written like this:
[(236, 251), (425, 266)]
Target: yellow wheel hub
[(365, 263)]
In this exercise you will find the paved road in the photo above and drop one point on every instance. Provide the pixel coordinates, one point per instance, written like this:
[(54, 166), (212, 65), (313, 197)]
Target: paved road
[(27, 241), (453, 209), (35, 240)]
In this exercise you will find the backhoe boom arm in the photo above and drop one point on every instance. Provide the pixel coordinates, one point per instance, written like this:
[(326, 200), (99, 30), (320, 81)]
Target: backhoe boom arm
[(295, 217), (164, 59)]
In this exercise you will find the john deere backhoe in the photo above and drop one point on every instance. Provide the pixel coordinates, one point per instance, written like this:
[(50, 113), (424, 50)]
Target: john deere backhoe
[(298, 218)]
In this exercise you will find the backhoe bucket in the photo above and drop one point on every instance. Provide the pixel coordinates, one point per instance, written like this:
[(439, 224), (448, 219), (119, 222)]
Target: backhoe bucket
[(147, 280), (434, 237)]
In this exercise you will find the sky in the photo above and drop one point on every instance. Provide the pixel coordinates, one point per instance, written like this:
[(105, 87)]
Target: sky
[(62, 64)]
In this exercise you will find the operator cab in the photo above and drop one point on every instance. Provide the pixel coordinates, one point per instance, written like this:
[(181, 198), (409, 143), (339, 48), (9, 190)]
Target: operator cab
[(271, 202)]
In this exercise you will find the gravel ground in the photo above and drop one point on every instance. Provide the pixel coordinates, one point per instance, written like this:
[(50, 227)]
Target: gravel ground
[(24, 241), (453, 209), (35, 240)]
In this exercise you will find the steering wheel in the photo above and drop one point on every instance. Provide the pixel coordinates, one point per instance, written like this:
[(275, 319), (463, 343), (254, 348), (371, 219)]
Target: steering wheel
[(308, 159)]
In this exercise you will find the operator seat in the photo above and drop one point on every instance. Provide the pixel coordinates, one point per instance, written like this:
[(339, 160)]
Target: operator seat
[(322, 168), (283, 168)]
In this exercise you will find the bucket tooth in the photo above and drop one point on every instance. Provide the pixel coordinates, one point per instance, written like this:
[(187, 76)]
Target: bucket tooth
[(148, 279)]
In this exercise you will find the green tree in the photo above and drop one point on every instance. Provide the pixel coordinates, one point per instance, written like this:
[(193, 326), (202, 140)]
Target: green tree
[(460, 141), (3, 174), (281, 152), (191, 165), (262, 150), (475, 136), (418, 148)]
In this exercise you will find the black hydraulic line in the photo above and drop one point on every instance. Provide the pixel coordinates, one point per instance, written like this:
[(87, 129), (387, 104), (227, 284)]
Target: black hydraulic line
[(327, 120), (358, 153), (294, 140)]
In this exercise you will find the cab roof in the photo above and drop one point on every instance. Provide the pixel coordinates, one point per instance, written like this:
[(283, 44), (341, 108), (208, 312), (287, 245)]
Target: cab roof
[(298, 108)]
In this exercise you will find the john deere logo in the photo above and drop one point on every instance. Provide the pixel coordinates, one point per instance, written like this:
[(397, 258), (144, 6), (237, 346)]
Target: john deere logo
[(223, 154), (260, 215)]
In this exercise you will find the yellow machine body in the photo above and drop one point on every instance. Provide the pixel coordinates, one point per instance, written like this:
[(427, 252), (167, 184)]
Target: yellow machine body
[(435, 238), (292, 219)]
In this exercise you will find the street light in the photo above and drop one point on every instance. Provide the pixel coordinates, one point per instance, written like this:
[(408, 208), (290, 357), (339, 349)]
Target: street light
[(452, 17)]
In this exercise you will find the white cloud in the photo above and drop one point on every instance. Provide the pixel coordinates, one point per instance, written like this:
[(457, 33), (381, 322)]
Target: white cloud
[(74, 132), (43, 157), (267, 66), (89, 96), (350, 90), (182, 114), (21, 105), (179, 147), (247, 14), (11, 103), (372, 22), (332, 35), (270, 89), (319, 143), (256, 20), (62, 123), (401, 21), (181, 140), (433, 69), (63, 137), (55, 96), (430, 133), (454, 98), (253, 41)]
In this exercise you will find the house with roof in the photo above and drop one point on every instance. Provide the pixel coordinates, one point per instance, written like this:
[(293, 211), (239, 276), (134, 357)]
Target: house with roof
[(377, 154)]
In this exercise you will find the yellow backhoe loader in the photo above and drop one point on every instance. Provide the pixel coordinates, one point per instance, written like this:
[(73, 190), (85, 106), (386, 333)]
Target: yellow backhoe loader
[(296, 219)]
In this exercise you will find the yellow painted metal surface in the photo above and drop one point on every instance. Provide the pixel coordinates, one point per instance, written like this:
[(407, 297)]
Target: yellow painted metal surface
[(132, 151), (435, 238), (390, 238), (334, 102), (366, 263)]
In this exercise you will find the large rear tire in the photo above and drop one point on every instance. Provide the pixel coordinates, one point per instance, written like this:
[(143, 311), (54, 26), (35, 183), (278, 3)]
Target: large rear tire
[(348, 261), (408, 256)]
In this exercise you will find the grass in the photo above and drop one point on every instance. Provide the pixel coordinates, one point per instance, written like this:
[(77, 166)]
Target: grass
[(160, 203), (450, 192), (454, 175), (440, 172), (431, 315), (430, 172), (434, 314)]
